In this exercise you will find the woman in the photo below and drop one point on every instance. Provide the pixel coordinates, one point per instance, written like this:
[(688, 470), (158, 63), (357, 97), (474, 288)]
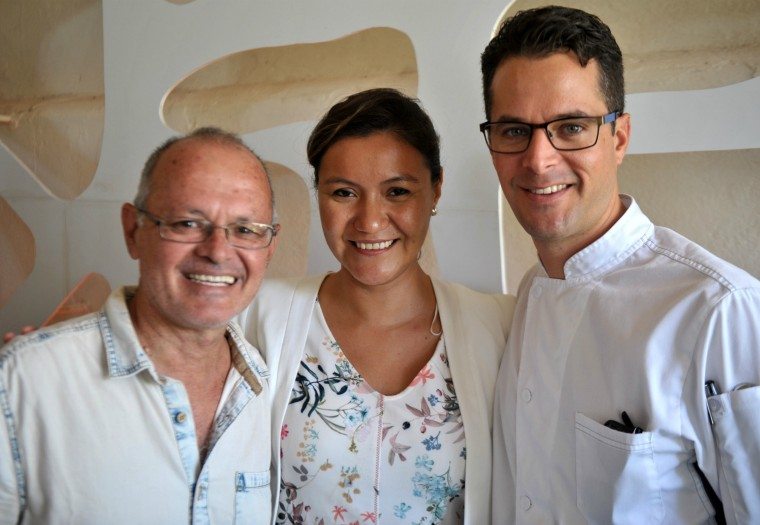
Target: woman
[(383, 375)]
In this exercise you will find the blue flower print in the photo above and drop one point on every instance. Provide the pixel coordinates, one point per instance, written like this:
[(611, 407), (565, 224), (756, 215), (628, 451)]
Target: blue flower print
[(433, 400), (424, 462), (401, 509), (432, 442), (437, 491)]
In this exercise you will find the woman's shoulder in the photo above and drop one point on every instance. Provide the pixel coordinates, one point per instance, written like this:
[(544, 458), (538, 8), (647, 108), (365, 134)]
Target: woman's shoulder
[(499, 303), (277, 289)]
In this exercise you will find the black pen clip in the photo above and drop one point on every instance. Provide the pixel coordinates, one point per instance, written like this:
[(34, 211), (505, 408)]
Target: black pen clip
[(626, 426)]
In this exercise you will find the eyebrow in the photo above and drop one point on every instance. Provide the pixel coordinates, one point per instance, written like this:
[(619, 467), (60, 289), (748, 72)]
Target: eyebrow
[(191, 214), (393, 180), (568, 114)]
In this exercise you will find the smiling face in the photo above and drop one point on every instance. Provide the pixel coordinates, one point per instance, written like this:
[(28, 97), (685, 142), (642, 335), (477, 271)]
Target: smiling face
[(199, 286), (564, 200), (375, 201)]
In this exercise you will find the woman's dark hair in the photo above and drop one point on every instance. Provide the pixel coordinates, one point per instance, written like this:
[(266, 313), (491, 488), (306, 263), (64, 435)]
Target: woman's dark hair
[(540, 32), (380, 110)]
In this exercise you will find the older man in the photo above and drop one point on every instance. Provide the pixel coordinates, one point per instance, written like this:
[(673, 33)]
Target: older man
[(155, 409), (601, 410)]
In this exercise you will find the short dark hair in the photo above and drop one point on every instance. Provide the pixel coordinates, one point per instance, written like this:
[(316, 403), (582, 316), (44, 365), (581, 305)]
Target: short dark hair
[(375, 111), (208, 133), (540, 32)]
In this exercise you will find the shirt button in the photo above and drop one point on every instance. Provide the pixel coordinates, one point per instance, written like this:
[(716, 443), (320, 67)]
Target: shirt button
[(527, 395), (525, 503), (536, 291), (180, 417)]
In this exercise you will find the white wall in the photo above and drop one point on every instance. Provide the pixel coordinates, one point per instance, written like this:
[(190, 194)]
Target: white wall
[(149, 45)]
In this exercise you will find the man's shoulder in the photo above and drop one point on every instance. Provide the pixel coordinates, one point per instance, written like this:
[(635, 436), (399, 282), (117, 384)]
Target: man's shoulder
[(691, 257), (59, 341)]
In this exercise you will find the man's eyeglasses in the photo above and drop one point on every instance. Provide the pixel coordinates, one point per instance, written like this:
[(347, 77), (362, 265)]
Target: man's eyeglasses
[(565, 134), (246, 235)]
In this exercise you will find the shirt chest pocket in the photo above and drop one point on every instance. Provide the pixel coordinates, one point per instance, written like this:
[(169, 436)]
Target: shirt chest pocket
[(253, 499), (616, 475)]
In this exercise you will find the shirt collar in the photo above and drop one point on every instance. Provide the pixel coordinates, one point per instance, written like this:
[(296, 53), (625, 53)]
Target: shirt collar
[(622, 239), (125, 355)]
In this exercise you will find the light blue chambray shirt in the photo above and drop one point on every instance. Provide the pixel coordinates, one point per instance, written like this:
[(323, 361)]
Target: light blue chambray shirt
[(91, 433)]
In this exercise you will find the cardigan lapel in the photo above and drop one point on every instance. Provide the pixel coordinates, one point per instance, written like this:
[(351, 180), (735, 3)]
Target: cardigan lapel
[(294, 341), (460, 345)]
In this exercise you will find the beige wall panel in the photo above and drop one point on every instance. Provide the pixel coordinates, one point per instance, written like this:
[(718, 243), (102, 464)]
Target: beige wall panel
[(16, 252), (267, 87), (292, 203), (88, 296), (679, 44), (37, 295), (51, 90), (713, 198)]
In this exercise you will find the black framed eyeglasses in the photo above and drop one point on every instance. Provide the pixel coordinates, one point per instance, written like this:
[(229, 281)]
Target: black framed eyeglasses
[(565, 134), (246, 235)]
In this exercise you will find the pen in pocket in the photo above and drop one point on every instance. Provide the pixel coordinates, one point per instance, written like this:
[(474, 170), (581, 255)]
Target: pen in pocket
[(711, 389)]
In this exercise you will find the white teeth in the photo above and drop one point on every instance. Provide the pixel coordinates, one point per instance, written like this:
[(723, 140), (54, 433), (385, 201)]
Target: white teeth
[(374, 245), (214, 280), (549, 190)]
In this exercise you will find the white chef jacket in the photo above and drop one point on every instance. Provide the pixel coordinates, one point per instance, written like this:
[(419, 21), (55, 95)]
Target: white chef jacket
[(90, 433), (642, 319)]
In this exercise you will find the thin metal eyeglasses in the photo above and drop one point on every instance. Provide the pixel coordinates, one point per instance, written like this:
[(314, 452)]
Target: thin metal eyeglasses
[(246, 235), (564, 134)]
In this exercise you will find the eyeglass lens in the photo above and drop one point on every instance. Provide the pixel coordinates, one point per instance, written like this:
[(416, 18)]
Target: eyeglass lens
[(242, 235), (564, 134)]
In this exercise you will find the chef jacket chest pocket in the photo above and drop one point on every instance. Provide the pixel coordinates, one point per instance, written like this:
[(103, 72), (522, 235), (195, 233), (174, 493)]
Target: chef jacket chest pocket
[(736, 428), (616, 476), (252, 497)]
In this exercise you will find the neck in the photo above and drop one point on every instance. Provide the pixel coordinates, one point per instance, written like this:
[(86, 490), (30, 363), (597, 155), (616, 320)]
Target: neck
[(387, 304), (176, 350), (554, 253)]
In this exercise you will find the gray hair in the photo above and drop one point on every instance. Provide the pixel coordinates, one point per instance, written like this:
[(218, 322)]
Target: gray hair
[(209, 134)]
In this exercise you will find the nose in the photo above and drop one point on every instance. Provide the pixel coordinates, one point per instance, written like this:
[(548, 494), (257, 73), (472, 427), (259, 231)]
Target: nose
[(215, 247), (370, 216), (540, 155)]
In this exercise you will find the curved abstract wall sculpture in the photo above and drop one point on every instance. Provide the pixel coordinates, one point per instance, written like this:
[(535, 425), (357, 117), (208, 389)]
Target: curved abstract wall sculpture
[(267, 87), (16, 251)]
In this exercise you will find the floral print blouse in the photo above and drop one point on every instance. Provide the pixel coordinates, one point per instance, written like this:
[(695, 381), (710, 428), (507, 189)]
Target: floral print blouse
[(352, 455)]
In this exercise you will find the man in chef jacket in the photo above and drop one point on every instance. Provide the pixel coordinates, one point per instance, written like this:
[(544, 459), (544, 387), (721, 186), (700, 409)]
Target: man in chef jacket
[(628, 393)]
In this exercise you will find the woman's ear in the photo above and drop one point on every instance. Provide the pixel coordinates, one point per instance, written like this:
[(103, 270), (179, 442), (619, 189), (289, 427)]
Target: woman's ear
[(437, 186)]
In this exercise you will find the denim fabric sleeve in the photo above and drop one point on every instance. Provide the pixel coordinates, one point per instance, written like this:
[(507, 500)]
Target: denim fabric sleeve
[(10, 497)]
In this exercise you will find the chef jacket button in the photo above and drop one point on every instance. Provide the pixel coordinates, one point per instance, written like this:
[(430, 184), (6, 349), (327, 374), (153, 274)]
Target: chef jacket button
[(525, 503), (527, 395)]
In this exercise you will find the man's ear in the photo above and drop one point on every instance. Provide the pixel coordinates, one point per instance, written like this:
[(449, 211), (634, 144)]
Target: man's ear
[(129, 225), (622, 136), (273, 245)]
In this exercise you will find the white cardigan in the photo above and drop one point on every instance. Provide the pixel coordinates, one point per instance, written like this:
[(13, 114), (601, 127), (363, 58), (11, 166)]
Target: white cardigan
[(475, 326)]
